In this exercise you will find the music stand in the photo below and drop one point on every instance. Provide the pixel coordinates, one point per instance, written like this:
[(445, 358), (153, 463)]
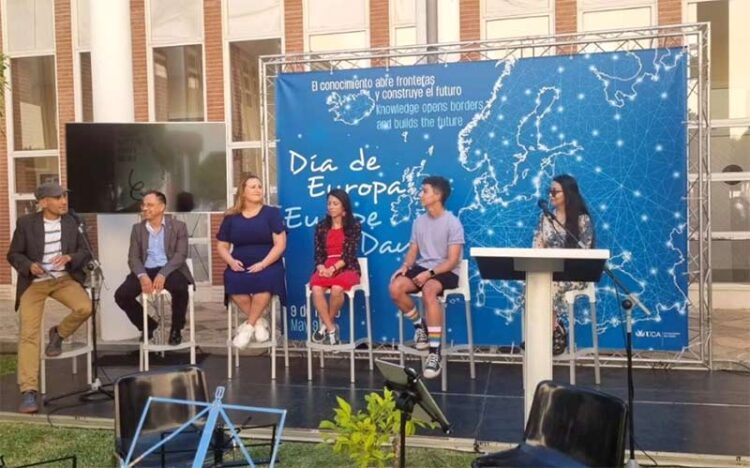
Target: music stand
[(413, 397)]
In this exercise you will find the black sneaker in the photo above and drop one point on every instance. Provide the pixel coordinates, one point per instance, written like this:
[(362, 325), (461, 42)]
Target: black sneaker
[(175, 337), (420, 337), (432, 366), (320, 334), (29, 403), (151, 332), (54, 347)]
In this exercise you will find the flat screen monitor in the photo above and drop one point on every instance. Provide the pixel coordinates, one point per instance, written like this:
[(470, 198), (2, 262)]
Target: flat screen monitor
[(110, 165)]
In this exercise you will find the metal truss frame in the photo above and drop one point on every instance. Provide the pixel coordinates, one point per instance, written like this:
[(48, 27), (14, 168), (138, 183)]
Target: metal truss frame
[(695, 38)]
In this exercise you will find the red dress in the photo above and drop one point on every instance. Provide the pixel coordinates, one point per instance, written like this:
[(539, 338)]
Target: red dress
[(345, 279)]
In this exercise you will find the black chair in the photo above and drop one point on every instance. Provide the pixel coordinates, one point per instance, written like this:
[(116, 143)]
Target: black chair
[(568, 426), (131, 394)]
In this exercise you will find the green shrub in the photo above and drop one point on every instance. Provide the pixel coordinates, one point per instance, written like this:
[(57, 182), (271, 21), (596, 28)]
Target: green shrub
[(369, 438)]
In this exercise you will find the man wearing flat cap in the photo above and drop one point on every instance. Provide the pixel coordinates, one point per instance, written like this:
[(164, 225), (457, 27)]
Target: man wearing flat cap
[(49, 254)]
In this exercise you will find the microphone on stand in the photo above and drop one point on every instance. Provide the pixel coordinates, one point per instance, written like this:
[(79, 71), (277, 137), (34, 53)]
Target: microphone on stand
[(78, 218), (94, 264)]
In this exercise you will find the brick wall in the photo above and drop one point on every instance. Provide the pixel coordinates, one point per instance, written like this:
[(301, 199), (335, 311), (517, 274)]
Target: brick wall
[(293, 27), (379, 27), (670, 12), (5, 271), (138, 46), (214, 66), (217, 264), (64, 74), (566, 21), (469, 25), (566, 16)]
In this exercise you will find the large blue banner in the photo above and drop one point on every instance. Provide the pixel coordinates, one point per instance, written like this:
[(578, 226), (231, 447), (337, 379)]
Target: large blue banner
[(499, 131)]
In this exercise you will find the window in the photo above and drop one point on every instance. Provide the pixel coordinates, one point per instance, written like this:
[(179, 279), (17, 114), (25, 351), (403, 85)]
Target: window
[(333, 25), (34, 103), (176, 21), (730, 63), (31, 172), (32, 26), (250, 19), (24, 207), (246, 161), (517, 27), (178, 83), (246, 87), (87, 94), (616, 19)]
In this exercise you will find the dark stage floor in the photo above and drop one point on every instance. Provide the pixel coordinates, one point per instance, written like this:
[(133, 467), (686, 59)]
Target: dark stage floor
[(676, 411)]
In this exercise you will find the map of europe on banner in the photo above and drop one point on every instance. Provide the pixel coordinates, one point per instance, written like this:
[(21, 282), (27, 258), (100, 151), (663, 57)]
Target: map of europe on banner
[(499, 131)]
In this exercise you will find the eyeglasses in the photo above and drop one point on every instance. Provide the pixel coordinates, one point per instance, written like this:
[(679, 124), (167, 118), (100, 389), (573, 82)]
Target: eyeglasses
[(553, 192)]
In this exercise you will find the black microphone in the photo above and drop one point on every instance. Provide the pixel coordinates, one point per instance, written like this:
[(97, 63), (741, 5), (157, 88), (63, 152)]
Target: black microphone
[(79, 220), (543, 205)]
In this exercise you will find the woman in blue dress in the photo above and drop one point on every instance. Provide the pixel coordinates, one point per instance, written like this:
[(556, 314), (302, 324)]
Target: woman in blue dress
[(251, 240)]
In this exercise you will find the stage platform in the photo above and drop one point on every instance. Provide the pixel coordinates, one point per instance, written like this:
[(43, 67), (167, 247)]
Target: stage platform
[(696, 412)]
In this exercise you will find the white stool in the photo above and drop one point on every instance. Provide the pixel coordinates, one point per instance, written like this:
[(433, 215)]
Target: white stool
[(158, 300), (463, 290), (71, 350), (364, 286), (233, 354), (573, 351)]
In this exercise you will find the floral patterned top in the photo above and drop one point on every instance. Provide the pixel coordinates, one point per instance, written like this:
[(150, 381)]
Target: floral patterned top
[(351, 246), (549, 235)]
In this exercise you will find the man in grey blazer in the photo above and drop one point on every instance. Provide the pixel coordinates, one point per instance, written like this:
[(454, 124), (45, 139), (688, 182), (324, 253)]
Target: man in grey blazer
[(156, 257), (49, 255)]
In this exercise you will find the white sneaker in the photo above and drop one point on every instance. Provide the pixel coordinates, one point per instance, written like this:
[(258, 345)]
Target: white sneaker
[(244, 335), (432, 366), (262, 334)]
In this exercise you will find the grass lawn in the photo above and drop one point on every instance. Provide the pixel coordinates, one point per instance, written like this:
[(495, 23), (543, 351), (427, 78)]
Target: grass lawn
[(7, 364), (27, 443)]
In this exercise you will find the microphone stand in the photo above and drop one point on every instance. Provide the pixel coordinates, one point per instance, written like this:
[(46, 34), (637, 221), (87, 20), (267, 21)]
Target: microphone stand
[(96, 391), (627, 304)]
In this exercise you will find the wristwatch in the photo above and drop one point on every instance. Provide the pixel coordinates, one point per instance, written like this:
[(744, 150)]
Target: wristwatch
[(432, 272)]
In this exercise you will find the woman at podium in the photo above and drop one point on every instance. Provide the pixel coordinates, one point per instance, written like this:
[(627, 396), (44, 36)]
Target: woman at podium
[(569, 227)]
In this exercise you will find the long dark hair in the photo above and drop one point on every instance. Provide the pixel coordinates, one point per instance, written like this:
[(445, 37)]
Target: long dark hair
[(575, 207), (348, 220)]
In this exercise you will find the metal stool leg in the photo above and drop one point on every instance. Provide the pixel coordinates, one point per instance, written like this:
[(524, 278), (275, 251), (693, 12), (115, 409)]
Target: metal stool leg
[(369, 327), (470, 333), (572, 341), (285, 335), (273, 339), (443, 358), (595, 344), (351, 338), (309, 333), (191, 306), (230, 351), (401, 337)]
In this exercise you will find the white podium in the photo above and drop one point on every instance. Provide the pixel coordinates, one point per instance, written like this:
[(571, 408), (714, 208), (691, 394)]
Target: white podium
[(539, 268)]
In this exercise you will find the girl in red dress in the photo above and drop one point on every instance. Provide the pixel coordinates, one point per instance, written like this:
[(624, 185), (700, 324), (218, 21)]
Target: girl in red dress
[(337, 239)]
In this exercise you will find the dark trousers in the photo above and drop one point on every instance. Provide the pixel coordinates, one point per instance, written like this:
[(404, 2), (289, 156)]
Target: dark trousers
[(130, 289)]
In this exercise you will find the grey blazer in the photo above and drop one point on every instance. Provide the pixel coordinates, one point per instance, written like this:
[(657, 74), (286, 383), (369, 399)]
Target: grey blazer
[(27, 247), (175, 245)]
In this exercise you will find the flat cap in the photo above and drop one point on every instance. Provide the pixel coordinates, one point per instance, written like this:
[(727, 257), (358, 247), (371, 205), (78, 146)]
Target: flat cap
[(50, 189)]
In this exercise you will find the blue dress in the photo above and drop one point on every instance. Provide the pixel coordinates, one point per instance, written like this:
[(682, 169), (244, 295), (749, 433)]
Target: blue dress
[(252, 239)]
